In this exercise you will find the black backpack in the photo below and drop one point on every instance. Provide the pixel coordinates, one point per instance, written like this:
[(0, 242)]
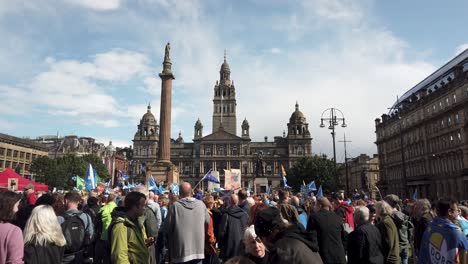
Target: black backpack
[(74, 232)]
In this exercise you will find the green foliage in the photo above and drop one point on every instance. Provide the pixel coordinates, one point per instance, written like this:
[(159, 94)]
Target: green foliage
[(316, 168), (59, 172)]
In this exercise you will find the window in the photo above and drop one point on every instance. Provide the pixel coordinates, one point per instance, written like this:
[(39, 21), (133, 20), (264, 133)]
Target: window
[(440, 104), (220, 150), (33, 156), (433, 108), (235, 151), (449, 121), (7, 164), (28, 155), (454, 98), (207, 151), (447, 101), (451, 139), (459, 136), (457, 119), (21, 155), (2, 151), (442, 123)]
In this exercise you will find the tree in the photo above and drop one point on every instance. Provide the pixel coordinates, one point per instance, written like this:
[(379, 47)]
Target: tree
[(316, 168), (60, 171)]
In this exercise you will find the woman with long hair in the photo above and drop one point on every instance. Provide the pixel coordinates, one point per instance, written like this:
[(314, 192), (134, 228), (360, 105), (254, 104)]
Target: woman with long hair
[(389, 233), (43, 237), (11, 248)]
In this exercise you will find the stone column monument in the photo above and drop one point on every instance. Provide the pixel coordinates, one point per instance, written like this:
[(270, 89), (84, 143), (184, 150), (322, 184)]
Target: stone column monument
[(163, 169)]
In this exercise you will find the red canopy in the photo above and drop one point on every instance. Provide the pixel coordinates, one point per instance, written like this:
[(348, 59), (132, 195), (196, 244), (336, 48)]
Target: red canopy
[(8, 173)]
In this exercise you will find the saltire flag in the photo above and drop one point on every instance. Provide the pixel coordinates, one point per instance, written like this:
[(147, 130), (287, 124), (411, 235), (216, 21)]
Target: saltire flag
[(319, 192), (311, 187), (162, 189), (151, 183), (80, 183), (143, 168), (210, 177), (90, 184), (175, 188), (415, 194), (124, 176)]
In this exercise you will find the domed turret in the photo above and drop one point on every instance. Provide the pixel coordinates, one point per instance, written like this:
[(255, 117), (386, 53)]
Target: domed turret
[(148, 126), (110, 149), (297, 126), (180, 139), (297, 116)]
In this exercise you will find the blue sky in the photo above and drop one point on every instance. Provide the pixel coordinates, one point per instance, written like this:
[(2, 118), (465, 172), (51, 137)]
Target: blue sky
[(90, 67)]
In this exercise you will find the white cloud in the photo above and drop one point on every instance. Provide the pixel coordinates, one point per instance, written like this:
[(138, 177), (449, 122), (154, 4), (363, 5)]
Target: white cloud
[(461, 48), (274, 50), (97, 5)]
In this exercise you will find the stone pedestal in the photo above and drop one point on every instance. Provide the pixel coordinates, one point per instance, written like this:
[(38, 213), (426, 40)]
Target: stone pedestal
[(163, 171)]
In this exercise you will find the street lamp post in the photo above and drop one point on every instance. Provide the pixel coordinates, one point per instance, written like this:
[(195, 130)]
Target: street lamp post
[(333, 116)]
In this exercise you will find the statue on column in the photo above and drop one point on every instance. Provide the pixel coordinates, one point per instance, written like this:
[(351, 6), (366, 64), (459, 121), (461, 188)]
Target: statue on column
[(168, 49)]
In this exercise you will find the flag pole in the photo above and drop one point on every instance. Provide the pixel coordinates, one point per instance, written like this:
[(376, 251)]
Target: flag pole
[(194, 187)]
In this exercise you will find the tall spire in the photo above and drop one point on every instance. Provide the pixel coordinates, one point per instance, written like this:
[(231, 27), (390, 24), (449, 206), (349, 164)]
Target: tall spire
[(149, 107), (224, 55), (297, 106)]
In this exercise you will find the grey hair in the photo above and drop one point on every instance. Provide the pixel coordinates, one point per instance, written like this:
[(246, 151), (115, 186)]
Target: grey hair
[(249, 233), (142, 189), (361, 213), (382, 209)]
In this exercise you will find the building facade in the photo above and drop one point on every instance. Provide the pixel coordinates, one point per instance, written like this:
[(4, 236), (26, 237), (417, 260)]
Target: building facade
[(363, 174), (224, 149), (422, 142), (18, 153), (72, 144)]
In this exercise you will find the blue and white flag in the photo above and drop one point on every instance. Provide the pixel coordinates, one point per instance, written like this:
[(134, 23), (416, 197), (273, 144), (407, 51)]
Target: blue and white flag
[(285, 181), (320, 192), (249, 189), (151, 183), (89, 181), (175, 188), (268, 190), (124, 176), (415, 194), (143, 168), (210, 177), (311, 187)]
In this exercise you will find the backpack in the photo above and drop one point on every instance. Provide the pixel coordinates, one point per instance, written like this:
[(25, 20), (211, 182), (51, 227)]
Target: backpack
[(74, 232)]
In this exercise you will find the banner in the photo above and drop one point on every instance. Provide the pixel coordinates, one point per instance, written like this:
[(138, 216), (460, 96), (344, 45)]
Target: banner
[(232, 179), (212, 185)]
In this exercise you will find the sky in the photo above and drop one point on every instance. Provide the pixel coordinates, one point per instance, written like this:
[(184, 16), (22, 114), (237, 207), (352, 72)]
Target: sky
[(90, 68)]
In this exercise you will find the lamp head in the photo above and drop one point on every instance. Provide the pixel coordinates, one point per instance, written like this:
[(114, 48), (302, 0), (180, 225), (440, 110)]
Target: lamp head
[(344, 124), (321, 124)]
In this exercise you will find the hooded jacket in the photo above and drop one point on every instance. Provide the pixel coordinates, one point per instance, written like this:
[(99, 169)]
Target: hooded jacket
[(346, 211), (365, 245), (231, 232), (294, 245), (127, 239), (185, 225), (405, 229), (443, 240)]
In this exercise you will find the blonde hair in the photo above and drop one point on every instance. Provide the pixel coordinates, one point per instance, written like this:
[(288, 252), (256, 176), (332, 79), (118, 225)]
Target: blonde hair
[(43, 228), (382, 209)]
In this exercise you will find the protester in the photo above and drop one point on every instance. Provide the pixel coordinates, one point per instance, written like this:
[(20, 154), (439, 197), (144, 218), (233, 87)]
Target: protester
[(232, 226), (127, 235), (254, 211), (443, 238), (11, 237), (43, 237), (210, 239), (389, 233), (104, 221), (365, 242), (327, 227), (404, 226), (161, 246), (150, 223), (254, 247), (287, 243), (343, 209), (77, 228), (186, 221), (243, 203), (303, 217), (283, 196)]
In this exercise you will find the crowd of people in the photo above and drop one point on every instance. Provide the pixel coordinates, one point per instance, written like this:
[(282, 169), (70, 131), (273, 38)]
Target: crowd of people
[(141, 226)]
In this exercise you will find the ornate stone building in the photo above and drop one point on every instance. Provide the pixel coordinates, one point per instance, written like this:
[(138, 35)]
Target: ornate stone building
[(61, 146), (223, 149), (363, 173), (422, 143), (18, 153)]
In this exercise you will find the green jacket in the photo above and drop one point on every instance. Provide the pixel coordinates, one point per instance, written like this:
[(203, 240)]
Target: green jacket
[(390, 240), (127, 240), (105, 213)]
